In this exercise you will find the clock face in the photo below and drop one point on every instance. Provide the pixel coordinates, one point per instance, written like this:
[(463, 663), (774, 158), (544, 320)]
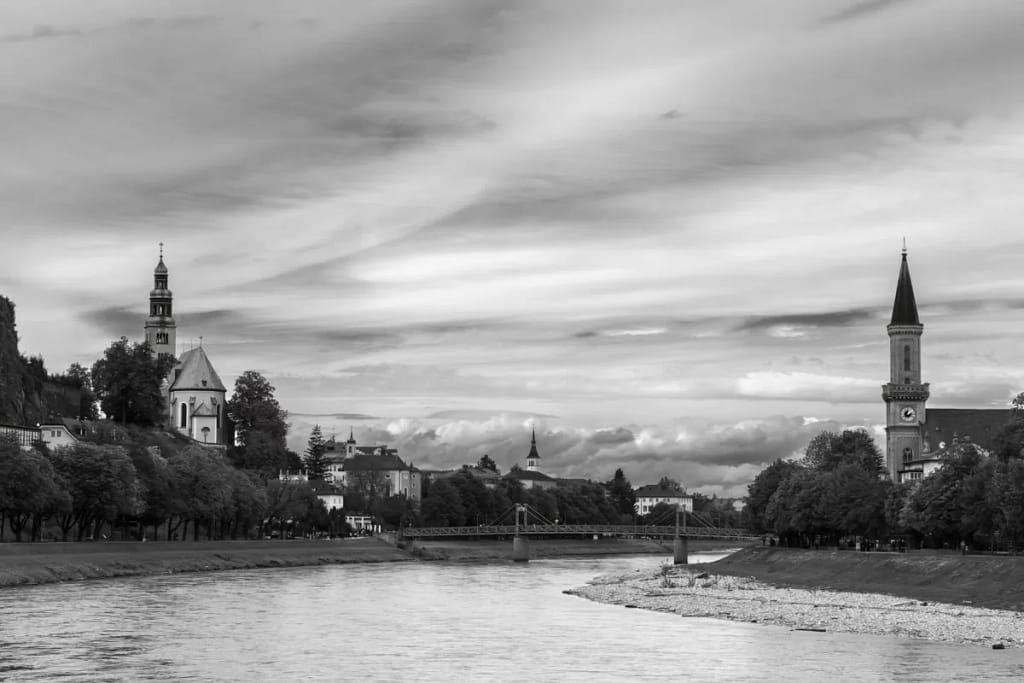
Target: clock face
[(908, 414)]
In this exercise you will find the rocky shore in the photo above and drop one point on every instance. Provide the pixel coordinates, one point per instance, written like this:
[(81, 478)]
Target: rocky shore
[(699, 592)]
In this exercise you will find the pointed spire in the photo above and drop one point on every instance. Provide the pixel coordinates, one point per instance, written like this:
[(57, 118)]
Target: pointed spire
[(351, 436), (533, 446), (904, 308)]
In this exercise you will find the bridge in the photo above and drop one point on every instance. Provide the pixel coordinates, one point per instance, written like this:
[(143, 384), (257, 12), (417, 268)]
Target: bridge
[(529, 522), (607, 530)]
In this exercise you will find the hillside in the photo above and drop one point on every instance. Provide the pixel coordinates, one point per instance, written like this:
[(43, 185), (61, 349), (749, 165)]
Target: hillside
[(27, 396)]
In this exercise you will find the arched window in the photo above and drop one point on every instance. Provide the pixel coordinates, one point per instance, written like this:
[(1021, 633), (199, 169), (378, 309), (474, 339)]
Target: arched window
[(906, 358), (184, 416), (206, 433)]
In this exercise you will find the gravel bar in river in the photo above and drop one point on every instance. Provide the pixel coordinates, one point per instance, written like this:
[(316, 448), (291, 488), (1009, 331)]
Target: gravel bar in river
[(697, 593)]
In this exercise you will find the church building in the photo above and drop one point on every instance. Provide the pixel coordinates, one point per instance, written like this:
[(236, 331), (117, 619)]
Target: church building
[(196, 397), (916, 437)]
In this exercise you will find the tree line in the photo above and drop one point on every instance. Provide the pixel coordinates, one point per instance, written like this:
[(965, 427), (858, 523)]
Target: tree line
[(838, 491)]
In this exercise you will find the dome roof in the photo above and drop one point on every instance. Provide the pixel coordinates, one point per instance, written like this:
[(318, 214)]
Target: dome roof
[(160, 267)]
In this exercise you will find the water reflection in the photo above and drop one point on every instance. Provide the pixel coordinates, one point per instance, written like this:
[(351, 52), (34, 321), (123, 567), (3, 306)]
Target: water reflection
[(427, 621)]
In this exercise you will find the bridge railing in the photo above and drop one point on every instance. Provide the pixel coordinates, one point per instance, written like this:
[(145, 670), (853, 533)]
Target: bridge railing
[(572, 530)]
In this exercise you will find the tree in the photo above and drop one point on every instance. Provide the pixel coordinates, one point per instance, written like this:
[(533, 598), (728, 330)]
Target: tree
[(203, 481), (262, 454), (829, 450), (253, 408), (486, 463), (102, 483), (764, 486), (369, 484), (621, 492), (670, 484), (1008, 442), (128, 381), (28, 489), (951, 505), (444, 506), (315, 457)]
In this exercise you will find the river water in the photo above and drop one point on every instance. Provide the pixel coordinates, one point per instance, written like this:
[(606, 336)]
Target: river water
[(428, 621)]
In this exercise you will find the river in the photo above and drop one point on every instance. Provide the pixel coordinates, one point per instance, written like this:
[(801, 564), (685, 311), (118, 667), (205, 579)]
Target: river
[(428, 621)]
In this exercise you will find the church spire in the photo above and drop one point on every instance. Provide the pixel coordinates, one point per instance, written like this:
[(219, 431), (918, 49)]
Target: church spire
[(904, 308)]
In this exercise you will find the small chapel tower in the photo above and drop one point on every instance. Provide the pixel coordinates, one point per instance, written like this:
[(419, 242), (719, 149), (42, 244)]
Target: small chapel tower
[(533, 459), (160, 326), (905, 395)]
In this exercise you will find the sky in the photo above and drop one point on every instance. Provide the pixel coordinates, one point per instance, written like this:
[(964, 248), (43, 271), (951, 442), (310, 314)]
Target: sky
[(665, 235)]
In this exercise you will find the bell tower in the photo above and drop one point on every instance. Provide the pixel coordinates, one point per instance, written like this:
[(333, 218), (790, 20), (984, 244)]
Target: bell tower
[(160, 327), (905, 395)]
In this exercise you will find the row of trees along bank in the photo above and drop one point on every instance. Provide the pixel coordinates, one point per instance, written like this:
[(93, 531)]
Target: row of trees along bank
[(124, 476), (838, 491), (464, 500)]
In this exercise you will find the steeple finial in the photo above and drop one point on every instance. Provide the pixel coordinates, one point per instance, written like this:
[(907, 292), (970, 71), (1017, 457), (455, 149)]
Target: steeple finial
[(161, 251), (904, 245)]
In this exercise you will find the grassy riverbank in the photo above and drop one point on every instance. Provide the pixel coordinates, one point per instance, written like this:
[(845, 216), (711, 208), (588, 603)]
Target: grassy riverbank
[(940, 576), (32, 563)]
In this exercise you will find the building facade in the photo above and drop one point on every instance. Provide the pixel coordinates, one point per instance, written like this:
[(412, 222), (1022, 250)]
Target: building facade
[(373, 471), (650, 495)]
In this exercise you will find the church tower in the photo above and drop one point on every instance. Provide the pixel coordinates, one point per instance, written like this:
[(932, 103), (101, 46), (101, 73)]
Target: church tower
[(905, 395), (533, 459), (160, 327)]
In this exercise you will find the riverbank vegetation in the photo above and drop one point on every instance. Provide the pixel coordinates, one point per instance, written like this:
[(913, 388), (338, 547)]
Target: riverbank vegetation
[(835, 494)]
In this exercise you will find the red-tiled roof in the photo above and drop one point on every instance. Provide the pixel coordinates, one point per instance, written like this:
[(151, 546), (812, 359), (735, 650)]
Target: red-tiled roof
[(363, 462)]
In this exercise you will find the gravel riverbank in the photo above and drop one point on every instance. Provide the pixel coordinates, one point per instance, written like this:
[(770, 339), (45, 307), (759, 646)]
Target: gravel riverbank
[(699, 592)]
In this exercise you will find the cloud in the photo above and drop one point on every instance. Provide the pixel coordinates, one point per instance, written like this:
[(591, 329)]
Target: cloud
[(713, 457), (805, 385), (859, 10)]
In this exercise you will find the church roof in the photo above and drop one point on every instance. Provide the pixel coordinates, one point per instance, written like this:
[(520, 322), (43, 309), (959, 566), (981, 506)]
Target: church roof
[(362, 462), (195, 371), (160, 267), (979, 424), (904, 308)]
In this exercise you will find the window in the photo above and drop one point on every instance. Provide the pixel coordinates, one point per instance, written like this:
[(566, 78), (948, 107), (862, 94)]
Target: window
[(906, 358), (206, 433), (184, 416)]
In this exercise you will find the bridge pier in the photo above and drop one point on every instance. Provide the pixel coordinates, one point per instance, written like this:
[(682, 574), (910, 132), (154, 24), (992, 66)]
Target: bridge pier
[(520, 549), (680, 554)]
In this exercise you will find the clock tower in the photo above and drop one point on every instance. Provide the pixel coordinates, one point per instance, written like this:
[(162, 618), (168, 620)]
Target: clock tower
[(905, 395)]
